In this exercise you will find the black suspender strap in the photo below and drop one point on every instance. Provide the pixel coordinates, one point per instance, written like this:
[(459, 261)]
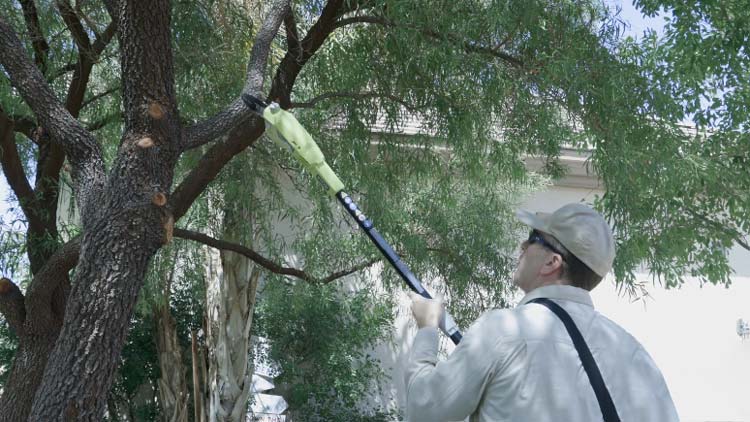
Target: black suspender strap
[(606, 404)]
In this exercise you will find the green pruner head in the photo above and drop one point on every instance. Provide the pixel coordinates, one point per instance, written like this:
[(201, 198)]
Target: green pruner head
[(286, 131)]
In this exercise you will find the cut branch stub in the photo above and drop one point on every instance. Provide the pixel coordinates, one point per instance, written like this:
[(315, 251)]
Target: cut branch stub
[(145, 142), (159, 199), (12, 305), (156, 111), (5, 285)]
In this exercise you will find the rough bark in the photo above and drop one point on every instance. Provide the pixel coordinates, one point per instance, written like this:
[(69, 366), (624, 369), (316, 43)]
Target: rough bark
[(12, 305), (173, 392), (24, 377), (46, 295), (124, 230), (44, 301), (79, 145)]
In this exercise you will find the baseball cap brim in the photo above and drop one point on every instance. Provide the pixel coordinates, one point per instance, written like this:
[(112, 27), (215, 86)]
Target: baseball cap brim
[(538, 221)]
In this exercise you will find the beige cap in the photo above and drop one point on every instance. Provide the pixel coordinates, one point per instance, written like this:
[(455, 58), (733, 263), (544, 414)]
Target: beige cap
[(582, 231)]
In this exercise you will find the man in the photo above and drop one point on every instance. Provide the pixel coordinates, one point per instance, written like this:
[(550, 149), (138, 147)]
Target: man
[(521, 364)]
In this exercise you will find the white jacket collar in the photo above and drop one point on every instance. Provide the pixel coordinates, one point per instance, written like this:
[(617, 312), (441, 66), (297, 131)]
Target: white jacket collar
[(561, 292)]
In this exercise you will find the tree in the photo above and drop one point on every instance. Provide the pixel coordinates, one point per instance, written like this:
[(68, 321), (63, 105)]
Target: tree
[(680, 199), (114, 248), (546, 73), (325, 375)]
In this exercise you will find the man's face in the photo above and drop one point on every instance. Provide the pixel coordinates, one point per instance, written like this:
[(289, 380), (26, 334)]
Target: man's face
[(529, 263), (533, 265)]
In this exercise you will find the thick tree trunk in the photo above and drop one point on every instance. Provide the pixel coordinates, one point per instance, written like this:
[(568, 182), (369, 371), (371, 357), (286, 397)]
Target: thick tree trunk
[(25, 375), (82, 365), (36, 336), (124, 225), (173, 392), (232, 284)]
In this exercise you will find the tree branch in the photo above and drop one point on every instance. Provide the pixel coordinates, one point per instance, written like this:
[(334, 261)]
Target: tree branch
[(244, 251), (246, 133), (51, 154), (349, 271), (112, 6), (211, 163), (98, 96), (12, 305), (219, 124), (25, 125), (363, 19), (88, 54), (70, 67), (41, 291), (13, 170), (74, 25), (292, 64), (292, 36), (104, 39), (80, 146), (355, 95), (721, 227), (38, 41), (89, 22), (495, 51), (39, 204), (265, 262)]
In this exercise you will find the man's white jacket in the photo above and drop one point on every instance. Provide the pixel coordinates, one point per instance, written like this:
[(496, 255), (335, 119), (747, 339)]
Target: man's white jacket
[(520, 365)]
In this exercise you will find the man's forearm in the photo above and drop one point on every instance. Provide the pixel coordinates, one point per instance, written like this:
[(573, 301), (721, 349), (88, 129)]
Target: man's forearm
[(445, 390)]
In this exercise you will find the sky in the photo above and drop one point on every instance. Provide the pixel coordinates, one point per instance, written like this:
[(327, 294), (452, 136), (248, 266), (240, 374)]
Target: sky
[(3, 196), (637, 23)]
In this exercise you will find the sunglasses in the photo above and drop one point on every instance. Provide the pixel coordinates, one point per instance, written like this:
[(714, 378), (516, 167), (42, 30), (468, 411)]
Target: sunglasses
[(536, 237)]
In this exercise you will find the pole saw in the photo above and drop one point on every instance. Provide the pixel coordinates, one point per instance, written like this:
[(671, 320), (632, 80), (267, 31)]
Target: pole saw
[(288, 133)]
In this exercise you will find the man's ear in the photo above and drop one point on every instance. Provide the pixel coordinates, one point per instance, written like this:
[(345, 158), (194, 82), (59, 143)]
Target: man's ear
[(552, 263)]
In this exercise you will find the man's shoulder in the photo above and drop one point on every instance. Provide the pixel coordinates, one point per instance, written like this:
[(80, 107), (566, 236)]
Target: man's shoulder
[(511, 324), (611, 332)]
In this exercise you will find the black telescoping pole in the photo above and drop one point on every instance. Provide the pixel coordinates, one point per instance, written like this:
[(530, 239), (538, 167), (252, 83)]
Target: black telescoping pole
[(450, 328)]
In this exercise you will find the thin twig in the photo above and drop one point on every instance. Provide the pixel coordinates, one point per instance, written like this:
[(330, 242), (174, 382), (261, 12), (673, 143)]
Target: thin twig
[(265, 262), (355, 95), (469, 46)]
